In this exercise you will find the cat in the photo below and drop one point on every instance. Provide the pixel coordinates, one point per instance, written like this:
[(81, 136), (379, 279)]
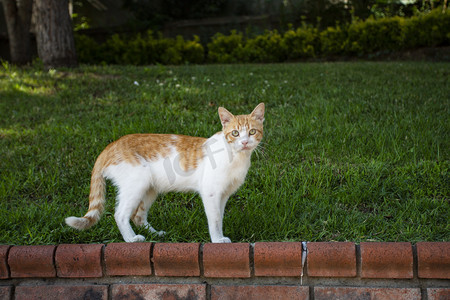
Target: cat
[(142, 166)]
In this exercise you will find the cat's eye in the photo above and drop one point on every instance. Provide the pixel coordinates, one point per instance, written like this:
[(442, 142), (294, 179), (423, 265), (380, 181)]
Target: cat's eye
[(252, 131), (235, 133)]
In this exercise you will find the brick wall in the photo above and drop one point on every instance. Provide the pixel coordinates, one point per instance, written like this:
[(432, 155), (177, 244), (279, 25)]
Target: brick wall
[(331, 270)]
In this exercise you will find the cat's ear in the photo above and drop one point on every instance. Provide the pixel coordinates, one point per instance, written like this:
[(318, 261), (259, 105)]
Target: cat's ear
[(225, 116), (258, 112)]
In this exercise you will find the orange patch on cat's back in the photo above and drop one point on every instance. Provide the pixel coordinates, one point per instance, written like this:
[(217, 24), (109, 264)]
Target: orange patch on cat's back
[(133, 148), (190, 149)]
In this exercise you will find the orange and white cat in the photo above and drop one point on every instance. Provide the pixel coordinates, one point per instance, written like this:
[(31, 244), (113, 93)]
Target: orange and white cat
[(143, 165)]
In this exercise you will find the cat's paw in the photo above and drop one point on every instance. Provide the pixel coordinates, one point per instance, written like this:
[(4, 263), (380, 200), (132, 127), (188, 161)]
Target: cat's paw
[(223, 240), (154, 231), (137, 239), (160, 233)]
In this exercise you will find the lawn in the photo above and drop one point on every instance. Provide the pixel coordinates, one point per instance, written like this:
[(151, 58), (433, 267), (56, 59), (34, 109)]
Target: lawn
[(354, 151)]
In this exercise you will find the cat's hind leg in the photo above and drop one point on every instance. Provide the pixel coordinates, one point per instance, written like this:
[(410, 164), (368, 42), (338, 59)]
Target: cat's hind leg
[(140, 216), (128, 203)]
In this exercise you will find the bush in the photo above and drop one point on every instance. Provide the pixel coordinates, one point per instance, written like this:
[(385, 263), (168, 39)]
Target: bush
[(428, 30), (87, 49), (268, 47), (263, 48), (357, 38), (301, 43), (137, 51), (140, 50), (333, 40), (193, 51), (113, 50), (375, 35), (387, 34), (225, 48)]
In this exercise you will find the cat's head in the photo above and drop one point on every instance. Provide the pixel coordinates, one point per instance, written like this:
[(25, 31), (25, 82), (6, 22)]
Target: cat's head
[(243, 132)]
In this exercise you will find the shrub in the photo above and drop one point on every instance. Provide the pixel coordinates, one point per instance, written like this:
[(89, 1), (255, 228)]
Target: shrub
[(193, 51), (428, 30), (113, 50), (333, 40), (140, 50), (301, 43), (357, 38), (87, 49), (387, 34), (375, 35), (225, 48), (263, 48)]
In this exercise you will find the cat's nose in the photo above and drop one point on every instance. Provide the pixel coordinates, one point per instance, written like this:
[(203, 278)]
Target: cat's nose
[(244, 143)]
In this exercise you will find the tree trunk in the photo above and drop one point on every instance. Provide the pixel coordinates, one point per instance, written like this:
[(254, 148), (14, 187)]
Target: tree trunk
[(18, 22), (54, 35)]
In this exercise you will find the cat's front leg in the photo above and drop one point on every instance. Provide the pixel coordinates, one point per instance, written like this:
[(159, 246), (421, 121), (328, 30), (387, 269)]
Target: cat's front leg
[(223, 240), (214, 213)]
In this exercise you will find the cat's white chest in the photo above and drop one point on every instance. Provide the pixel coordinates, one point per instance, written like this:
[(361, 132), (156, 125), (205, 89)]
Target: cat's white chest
[(237, 175), (223, 169)]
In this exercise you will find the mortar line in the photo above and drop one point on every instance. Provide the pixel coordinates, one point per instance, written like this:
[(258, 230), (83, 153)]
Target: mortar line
[(415, 262), (110, 296), (305, 272), (208, 291), (304, 261), (423, 293), (251, 254), (423, 289), (102, 260), (152, 266), (200, 260), (358, 261), (53, 260), (13, 292)]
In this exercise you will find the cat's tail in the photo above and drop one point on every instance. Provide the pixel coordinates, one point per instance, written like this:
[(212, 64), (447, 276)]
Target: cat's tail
[(96, 201)]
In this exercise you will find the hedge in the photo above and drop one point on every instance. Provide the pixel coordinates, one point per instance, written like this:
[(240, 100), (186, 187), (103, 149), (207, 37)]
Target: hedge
[(140, 50), (355, 39)]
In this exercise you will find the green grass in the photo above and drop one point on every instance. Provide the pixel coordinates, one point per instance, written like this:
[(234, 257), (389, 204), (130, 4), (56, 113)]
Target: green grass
[(353, 151)]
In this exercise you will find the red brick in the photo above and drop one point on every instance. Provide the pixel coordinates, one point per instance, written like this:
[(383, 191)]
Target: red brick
[(331, 259), (31, 261), (132, 259), (5, 292), (256, 292), (158, 291), (386, 260), (278, 259), (226, 260), (82, 260), (344, 293), (176, 259), (4, 271), (438, 293), (434, 259), (57, 292)]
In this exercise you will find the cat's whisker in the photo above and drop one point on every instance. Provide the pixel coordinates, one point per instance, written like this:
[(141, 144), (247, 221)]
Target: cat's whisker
[(261, 151)]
